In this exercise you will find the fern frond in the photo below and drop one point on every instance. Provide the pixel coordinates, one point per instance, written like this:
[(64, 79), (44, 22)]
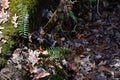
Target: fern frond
[(58, 52), (23, 21), (71, 14)]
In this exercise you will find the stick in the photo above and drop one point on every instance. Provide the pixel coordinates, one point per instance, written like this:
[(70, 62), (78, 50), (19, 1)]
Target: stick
[(50, 19), (98, 7), (61, 2)]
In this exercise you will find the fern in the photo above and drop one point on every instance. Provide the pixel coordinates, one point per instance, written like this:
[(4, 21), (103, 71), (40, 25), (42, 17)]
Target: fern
[(58, 52), (23, 21), (71, 14)]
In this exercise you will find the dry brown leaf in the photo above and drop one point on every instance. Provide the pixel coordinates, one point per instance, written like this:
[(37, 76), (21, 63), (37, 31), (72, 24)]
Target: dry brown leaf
[(15, 17), (74, 66), (14, 22), (0, 50), (17, 51), (3, 16), (1, 28), (40, 73), (5, 4), (45, 52), (33, 56), (33, 60), (1, 36), (103, 69), (3, 41)]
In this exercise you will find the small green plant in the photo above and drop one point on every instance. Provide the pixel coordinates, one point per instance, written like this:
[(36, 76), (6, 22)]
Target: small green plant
[(71, 14), (58, 52), (54, 55), (23, 21)]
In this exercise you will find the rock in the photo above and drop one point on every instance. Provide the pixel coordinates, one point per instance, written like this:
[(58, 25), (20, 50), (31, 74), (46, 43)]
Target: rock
[(11, 73)]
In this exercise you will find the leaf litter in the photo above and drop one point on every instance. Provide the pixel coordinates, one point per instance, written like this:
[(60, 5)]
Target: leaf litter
[(94, 43)]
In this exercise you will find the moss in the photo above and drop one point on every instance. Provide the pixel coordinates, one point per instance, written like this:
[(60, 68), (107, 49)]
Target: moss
[(31, 4), (10, 33), (3, 62)]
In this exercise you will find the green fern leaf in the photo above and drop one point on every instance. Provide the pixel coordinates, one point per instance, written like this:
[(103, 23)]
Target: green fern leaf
[(71, 14), (58, 52), (23, 21)]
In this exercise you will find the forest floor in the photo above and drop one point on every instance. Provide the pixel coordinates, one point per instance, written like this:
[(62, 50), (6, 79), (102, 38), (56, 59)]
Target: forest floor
[(95, 45)]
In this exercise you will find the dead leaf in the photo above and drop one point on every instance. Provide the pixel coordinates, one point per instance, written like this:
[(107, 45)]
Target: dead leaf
[(1, 28), (45, 52), (5, 4), (0, 32), (3, 41), (0, 50), (103, 68), (74, 66), (15, 17), (14, 22), (40, 73), (1, 36), (3, 16), (33, 57), (33, 60), (17, 51)]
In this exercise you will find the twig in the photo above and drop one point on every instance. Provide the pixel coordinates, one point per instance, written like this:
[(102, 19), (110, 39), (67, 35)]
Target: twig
[(74, 28), (98, 8), (61, 2), (50, 19)]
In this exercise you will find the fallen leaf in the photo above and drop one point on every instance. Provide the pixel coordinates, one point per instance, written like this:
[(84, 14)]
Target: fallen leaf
[(103, 68), (1, 36), (15, 17), (3, 16), (3, 41), (0, 32), (14, 22), (16, 54), (1, 28), (45, 52), (40, 73), (0, 50), (33, 58), (5, 4)]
